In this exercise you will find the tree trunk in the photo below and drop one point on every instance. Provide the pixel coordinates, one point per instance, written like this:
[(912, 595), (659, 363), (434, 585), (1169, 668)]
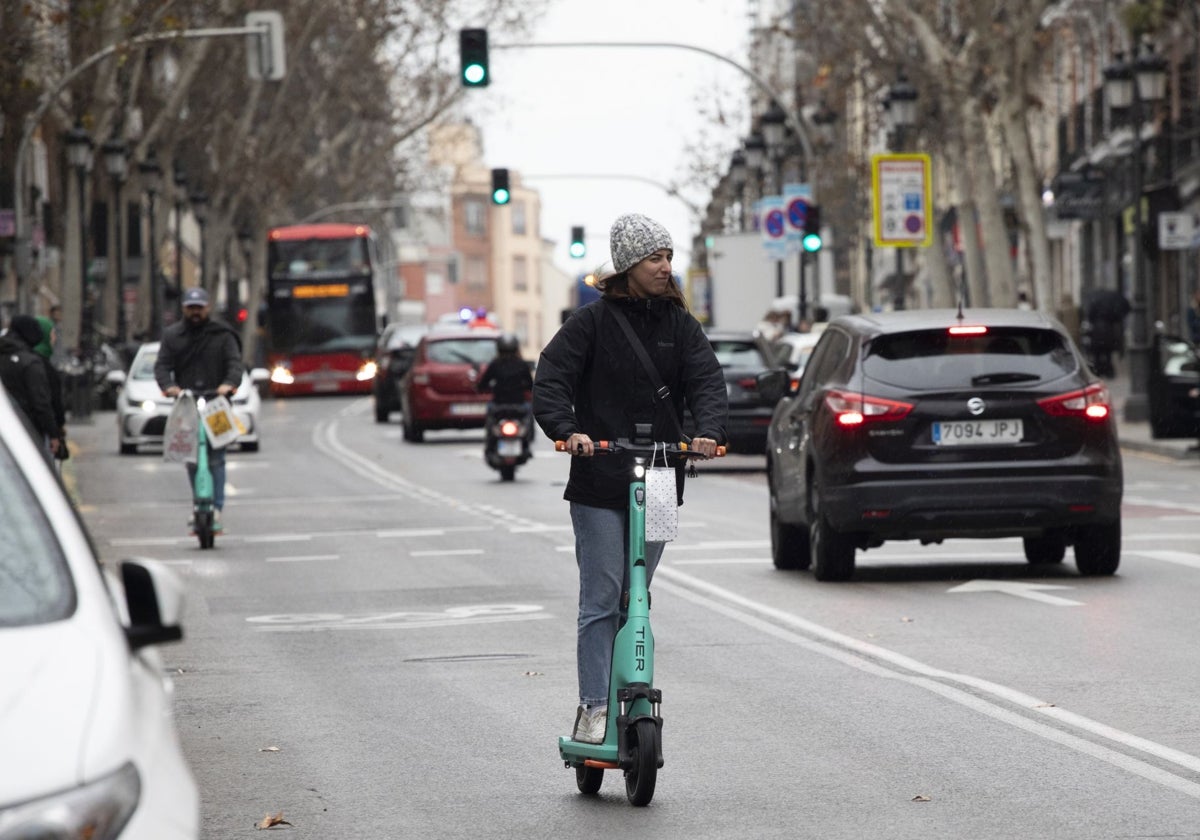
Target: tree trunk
[(1001, 290), (976, 279), (1015, 127)]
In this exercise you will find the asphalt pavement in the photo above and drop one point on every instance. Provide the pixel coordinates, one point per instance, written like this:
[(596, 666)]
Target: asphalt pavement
[(1136, 437)]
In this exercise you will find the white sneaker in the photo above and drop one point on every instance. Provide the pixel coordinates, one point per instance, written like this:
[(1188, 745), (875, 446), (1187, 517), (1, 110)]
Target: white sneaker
[(590, 726)]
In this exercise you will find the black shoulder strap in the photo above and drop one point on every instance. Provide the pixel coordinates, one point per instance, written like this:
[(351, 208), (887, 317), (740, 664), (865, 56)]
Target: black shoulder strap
[(661, 392)]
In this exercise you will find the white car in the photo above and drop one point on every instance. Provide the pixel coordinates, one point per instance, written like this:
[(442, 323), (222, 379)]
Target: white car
[(142, 409), (792, 350), (89, 744)]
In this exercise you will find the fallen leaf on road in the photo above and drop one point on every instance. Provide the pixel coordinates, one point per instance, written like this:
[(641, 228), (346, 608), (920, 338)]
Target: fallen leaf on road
[(534, 674), (272, 820), (906, 620), (920, 797)]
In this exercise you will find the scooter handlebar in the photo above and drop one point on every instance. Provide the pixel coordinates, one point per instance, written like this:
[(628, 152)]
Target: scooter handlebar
[(624, 445)]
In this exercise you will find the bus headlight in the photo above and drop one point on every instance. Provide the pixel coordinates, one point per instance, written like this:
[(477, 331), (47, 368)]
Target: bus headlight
[(367, 371), (281, 375)]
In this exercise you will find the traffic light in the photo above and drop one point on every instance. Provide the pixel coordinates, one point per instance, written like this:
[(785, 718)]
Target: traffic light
[(473, 52), (500, 191), (812, 230), (578, 248)]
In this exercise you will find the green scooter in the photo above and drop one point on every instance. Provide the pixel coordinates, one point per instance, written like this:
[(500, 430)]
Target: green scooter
[(633, 740)]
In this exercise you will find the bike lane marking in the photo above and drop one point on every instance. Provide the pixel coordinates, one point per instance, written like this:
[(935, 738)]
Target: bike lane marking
[(888, 664)]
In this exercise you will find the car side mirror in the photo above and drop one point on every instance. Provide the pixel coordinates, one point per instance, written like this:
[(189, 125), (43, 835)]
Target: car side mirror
[(115, 378), (154, 600), (260, 375), (773, 384)]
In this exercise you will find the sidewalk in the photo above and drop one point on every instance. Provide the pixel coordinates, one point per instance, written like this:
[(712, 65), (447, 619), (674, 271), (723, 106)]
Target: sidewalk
[(1135, 437)]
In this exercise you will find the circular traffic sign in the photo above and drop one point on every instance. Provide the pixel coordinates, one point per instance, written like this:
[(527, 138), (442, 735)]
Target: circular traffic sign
[(774, 223), (797, 211)]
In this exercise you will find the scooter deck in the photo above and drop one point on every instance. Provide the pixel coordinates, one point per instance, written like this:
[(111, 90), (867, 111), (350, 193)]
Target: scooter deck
[(577, 751)]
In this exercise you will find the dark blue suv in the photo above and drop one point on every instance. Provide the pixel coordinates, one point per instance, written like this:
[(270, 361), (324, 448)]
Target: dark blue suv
[(930, 425)]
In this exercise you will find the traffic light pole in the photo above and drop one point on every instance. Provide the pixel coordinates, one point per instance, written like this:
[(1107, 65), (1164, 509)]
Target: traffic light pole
[(23, 256)]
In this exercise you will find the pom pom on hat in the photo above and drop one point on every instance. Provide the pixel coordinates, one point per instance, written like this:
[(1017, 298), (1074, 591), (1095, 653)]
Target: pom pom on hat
[(634, 237)]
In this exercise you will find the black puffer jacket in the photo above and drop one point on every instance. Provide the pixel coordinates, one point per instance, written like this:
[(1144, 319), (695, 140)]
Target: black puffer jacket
[(24, 375), (200, 358), (589, 380)]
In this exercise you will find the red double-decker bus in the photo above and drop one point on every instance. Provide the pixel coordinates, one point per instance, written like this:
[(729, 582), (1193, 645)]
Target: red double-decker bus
[(322, 308)]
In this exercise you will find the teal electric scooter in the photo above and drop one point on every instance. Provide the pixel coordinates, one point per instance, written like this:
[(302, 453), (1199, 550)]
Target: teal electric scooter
[(633, 740), (203, 496)]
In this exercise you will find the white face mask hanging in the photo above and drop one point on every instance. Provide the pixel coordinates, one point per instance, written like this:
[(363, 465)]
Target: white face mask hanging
[(662, 504)]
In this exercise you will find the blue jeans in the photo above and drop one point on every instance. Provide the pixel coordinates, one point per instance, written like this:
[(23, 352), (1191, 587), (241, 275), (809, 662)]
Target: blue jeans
[(216, 466), (601, 546)]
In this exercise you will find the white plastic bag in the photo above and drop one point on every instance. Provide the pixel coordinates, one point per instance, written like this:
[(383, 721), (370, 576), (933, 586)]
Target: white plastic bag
[(220, 424), (179, 436), (662, 504)]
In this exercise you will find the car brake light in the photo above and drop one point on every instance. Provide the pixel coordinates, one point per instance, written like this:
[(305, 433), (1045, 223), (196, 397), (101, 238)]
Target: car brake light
[(973, 329), (1091, 402), (748, 384), (851, 409), (509, 428)]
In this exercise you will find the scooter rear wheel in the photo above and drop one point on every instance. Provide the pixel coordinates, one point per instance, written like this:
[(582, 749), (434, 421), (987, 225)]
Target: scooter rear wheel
[(589, 779), (642, 776)]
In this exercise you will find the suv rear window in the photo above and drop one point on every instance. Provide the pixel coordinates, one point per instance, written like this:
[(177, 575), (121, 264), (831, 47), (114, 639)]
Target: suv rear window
[(466, 351), (738, 354), (928, 359)]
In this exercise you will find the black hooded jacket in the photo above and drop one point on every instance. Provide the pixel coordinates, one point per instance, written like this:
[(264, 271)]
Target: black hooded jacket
[(200, 358), (23, 373), (589, 380)]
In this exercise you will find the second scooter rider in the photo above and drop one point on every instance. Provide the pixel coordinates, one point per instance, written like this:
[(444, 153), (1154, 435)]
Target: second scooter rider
[(591, 385)]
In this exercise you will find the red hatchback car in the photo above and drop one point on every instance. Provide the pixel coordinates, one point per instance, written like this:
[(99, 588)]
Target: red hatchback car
[(438, 391)]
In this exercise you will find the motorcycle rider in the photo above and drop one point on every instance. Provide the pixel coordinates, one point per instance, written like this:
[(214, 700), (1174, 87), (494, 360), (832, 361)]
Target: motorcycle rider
[(508, 378), (204, 355)]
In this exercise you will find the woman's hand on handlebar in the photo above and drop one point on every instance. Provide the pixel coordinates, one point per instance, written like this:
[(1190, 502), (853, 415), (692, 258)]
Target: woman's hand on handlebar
[(706, 447), (580, 444)]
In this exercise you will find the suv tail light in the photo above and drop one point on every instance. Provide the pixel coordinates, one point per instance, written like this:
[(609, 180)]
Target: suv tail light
[(851, 409), (1092, 402)]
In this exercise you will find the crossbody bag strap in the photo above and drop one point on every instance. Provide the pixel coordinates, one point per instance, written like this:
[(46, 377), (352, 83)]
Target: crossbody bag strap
[(661, 392)]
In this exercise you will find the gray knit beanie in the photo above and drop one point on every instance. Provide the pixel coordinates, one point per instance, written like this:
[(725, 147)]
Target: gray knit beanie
[(633, 238)]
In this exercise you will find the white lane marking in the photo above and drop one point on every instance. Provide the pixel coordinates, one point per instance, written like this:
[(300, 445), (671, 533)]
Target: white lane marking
[(401, 619), (1182, 558), (298, 558), (411, 532), (858, 654), (717, 561), (445, 552), (1159, 503), (279, 538), (1019, 589)]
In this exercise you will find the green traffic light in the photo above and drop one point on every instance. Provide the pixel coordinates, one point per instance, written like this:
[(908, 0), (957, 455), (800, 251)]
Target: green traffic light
[(500, 196), (811, 243), (474, 74), (577, 250)]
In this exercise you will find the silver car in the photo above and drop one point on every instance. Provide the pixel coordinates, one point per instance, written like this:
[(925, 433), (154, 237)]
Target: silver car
[(142, 409)]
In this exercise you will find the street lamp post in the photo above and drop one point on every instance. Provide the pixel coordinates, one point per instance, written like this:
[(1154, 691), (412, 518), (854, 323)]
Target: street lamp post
[(773, 125), (902, 113), (79, 153), (151, 174), (181, 191), (117, 164), (737, 173), (1132, 85), (200, 211)]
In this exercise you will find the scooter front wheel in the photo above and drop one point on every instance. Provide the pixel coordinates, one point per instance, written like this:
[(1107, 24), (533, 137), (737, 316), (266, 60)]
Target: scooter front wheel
[(641, 777), (204, 529), (589, 779)]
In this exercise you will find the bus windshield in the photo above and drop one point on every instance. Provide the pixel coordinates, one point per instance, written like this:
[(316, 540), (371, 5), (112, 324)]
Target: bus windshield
[(306, 259)]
